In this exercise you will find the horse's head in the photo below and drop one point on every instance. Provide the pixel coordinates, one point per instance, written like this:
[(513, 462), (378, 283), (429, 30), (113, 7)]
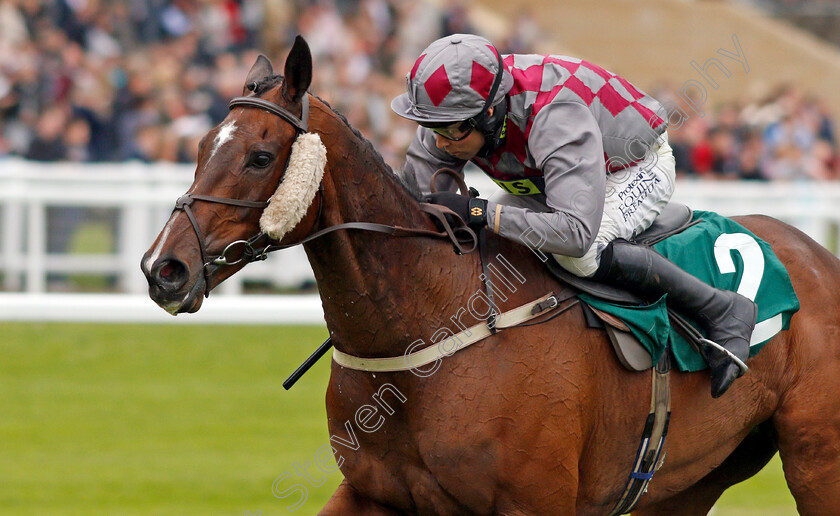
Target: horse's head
[(216, 228)]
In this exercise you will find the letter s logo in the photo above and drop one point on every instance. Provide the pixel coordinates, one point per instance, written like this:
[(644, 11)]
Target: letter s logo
[(522, 187)]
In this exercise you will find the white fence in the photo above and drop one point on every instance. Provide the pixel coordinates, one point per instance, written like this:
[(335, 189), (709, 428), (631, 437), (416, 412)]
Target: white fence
[(140, 197), (813, 207)]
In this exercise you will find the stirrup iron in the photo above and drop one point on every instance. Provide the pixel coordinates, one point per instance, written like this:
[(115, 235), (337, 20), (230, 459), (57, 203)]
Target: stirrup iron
[(740, 363)]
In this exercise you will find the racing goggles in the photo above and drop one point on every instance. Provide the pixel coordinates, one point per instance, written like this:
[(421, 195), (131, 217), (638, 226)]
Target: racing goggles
[(453, 132)]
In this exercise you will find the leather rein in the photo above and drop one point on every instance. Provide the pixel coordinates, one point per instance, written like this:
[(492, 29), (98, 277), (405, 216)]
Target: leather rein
[(258, 246)]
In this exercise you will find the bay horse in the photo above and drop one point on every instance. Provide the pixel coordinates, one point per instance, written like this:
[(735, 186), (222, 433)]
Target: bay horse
[(530, 421)]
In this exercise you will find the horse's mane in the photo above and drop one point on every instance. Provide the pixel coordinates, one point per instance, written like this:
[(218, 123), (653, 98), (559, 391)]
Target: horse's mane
[(406, 180)]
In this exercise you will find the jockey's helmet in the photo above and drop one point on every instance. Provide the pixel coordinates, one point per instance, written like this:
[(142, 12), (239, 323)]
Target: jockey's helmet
[(455, 79)]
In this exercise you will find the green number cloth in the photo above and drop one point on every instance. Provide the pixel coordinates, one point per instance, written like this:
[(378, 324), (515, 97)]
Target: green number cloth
[(726, 255)]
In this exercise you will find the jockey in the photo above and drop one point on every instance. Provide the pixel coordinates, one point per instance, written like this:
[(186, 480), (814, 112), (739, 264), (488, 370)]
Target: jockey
[(583, 160)]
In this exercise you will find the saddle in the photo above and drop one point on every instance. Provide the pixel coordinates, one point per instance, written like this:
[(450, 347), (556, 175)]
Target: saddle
[(674, 219)]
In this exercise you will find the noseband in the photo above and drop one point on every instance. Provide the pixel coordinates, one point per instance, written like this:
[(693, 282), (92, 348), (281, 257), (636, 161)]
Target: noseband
[(249, 252)]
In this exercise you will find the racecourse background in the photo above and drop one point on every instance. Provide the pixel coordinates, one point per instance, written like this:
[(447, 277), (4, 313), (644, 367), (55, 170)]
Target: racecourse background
[(190, 419), (95, 80)]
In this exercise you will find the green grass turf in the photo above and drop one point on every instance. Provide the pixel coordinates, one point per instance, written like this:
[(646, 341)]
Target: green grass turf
[(182, 420), (765, 494), (164, 420)]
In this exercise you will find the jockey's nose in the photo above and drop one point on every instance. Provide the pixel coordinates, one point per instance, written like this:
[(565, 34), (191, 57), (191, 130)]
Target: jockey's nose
[(441, 142)]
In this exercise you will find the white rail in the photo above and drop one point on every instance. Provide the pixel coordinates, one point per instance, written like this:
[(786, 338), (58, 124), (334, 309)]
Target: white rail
[(142, 197), (127, 308), (813, 207)]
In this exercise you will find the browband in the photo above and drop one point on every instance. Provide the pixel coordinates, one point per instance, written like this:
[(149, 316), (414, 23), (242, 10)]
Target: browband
[(300, 124)]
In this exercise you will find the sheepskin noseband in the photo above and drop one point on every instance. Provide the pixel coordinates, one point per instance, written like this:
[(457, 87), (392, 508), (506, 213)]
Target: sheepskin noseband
[(298, 187)]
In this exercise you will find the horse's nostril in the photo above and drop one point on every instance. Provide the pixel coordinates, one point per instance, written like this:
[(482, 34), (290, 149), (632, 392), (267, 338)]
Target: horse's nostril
[(170, 274), (167, 271)]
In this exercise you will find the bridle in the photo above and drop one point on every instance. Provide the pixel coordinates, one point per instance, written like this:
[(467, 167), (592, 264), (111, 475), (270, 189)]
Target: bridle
[(252, 250), (249, 253)]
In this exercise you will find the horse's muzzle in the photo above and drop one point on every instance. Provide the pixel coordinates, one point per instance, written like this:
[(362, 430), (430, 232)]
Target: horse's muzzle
[(169, 285)]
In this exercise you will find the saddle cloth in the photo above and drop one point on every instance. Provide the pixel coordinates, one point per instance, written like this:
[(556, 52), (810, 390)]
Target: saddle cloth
[(726, 255)]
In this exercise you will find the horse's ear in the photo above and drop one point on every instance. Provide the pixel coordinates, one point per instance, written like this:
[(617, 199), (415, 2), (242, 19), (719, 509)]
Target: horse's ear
[(298, 70), (261, 69)]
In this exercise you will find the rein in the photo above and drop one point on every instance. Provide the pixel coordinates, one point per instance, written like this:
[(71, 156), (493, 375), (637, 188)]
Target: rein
[(252, 250)]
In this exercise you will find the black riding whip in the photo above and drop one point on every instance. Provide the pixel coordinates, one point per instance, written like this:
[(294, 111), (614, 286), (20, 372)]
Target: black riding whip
[(308, 363)]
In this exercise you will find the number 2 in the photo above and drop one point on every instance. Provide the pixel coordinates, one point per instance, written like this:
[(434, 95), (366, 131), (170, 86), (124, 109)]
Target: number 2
[(750, 253), (753, 259)]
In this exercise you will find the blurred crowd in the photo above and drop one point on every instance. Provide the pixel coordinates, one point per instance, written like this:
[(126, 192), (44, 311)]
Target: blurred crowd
[(107, 80), (784, 136)]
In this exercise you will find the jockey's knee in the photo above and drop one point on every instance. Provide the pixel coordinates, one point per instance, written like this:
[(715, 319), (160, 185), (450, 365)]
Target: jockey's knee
[(586, 265)]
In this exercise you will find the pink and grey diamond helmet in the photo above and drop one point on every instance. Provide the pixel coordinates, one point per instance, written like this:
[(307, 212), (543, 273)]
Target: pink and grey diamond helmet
[(453, 80)]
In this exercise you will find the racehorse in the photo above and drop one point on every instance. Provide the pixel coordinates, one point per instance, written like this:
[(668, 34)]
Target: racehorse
[(531, 420)]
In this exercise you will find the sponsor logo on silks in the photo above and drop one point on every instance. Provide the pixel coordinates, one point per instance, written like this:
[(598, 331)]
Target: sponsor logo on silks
[(522, 186)]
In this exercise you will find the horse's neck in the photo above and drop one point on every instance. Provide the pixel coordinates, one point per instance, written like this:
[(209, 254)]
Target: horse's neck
[(375, 289)]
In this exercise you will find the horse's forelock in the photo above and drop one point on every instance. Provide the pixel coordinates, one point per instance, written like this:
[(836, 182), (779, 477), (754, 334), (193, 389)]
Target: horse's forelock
[(267, 83)]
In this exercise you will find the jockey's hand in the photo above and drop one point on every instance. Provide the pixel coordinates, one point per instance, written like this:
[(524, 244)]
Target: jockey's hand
[(471, 210)]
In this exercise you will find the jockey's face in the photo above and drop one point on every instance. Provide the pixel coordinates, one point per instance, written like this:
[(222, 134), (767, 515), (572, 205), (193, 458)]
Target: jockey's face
[(461, 139), (465, 148)]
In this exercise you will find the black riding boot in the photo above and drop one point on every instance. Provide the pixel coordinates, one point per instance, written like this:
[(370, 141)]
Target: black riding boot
[(727, 318)]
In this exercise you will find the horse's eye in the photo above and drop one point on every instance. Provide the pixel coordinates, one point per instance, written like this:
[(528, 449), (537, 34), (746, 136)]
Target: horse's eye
[(261, 159)]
